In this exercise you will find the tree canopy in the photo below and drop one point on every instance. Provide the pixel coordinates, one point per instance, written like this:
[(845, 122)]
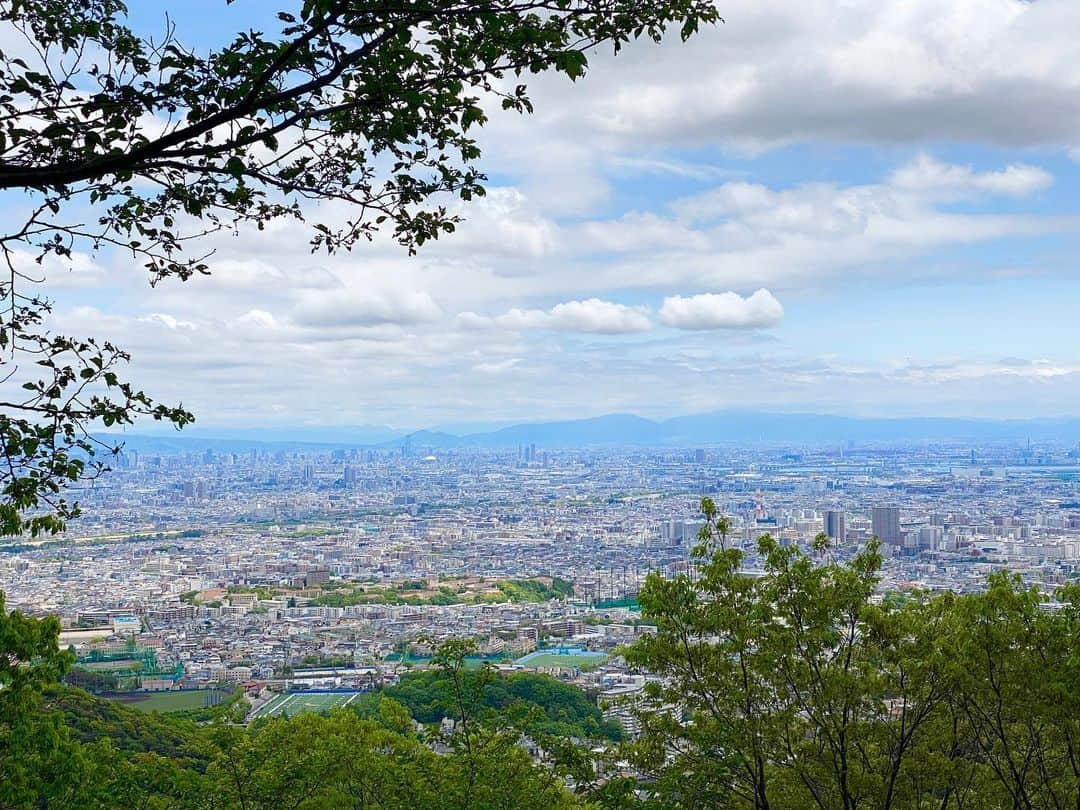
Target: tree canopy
[(67, 749), (803, 687), (547, 706)]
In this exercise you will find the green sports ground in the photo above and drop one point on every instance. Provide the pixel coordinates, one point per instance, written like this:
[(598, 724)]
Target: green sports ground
[(294, 703), (176, 701)]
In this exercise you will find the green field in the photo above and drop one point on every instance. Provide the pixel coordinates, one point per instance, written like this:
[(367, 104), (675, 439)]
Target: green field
[(187, 700), (294, 703), (581, 662)]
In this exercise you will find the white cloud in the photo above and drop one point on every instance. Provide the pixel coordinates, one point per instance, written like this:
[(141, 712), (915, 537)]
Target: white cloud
[(79, 270), (994, 71), (503, 224), (497, 367), (474, 321), (722, 311), (365, 308), (257, 318), (589, 316), (250, 273), (659, 166), (925, 174), (725, 200), (168, 321), (635, 232)]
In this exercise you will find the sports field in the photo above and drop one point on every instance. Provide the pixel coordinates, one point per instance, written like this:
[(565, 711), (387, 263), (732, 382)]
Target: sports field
[(186, 700), (563, 657), (294, 703)]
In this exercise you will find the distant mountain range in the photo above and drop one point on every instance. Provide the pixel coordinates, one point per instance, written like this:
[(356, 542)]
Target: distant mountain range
[(749, 427), (626, 429)]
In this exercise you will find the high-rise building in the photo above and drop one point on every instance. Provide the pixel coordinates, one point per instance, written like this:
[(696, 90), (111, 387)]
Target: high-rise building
[(835, 525), (885, 523), (679, 532), (930, 538)]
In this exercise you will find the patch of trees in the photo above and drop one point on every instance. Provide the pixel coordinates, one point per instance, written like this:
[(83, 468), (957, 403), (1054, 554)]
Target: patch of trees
[(63, 748), (545, 704), (91, 681), (91, 719), (535, 590), (509, 590), (804, 688)]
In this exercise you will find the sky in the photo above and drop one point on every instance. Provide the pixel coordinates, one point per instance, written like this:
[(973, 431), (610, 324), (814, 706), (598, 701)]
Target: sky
[(852, 207)]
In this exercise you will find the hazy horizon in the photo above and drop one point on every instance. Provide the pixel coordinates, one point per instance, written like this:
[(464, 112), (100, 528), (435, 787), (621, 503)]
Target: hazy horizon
[(686, 430)]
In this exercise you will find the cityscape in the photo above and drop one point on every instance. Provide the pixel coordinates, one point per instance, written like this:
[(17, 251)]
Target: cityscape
[(284, 569)]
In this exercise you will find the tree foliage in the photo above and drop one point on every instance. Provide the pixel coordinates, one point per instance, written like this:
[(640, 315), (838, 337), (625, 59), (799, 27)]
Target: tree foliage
[(63, 748), (801, 688), (143, 145), (547, 705), (30, 660)]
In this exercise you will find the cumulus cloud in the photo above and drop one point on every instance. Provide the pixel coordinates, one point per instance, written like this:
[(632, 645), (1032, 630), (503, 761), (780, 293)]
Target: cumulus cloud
[(168, 321), (994, 71), (257, 318), (635, 232), (503, 223), (727, 199), (925, 174), (250, 273), (590, 316), (79, 270), (917, 185), (722, 311), (365, 308)]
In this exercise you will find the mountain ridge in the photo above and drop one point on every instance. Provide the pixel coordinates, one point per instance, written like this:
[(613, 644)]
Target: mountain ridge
[(624, 429)]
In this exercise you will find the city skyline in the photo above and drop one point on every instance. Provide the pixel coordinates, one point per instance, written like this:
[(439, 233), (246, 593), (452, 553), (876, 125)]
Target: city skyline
[(833, 239)]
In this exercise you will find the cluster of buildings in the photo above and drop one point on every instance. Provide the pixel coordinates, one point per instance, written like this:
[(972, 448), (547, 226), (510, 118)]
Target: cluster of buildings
[(225, 562)]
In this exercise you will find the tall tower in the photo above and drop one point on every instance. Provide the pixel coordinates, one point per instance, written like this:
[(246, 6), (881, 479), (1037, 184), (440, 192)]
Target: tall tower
[(885, 522), (835, 525)]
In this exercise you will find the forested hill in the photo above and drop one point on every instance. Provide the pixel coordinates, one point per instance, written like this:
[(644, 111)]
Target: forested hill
[(69, 749), (544, 704)]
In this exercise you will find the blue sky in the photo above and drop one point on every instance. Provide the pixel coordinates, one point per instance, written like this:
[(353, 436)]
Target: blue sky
[(847, 207)]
